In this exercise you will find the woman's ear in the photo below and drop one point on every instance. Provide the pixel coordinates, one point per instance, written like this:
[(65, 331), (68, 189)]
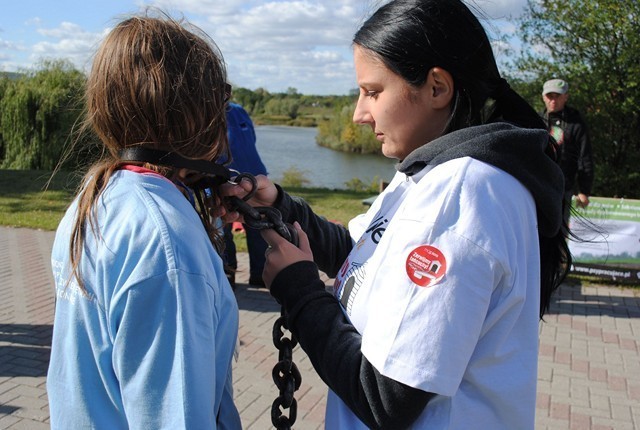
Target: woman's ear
[(441, 88)]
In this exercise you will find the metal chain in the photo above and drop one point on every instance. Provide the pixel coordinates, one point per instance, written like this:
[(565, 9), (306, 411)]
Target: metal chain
[(286, 376), (285, 373)]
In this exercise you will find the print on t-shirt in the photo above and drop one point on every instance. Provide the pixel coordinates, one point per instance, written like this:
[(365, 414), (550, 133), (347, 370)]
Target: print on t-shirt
[(347, 289), (377, 228), (426, 265), (354, 270), (557, 133)]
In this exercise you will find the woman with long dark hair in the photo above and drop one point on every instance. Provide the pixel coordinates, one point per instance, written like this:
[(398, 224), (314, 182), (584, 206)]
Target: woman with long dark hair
[(433, 318)]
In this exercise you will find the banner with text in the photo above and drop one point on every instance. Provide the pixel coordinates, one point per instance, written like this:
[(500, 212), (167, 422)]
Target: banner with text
[(608, 244)]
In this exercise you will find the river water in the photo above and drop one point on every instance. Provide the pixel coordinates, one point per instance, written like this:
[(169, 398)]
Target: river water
[(282, 148)]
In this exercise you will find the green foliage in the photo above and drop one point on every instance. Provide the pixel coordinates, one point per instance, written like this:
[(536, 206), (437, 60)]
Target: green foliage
[(289, 108), (253, 101), (35, 199), (339, 132), (357, 184), (293, 177), (282, 106), (37, 113), (594, 45), (4, 83), (40, 115)]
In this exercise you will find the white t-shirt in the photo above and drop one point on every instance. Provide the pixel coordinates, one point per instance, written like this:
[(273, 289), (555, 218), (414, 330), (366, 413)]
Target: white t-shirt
[(443, 284)]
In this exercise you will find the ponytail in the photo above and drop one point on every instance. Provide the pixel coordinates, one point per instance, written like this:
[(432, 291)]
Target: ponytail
[(555, 257), (511, 107), (555, 262)]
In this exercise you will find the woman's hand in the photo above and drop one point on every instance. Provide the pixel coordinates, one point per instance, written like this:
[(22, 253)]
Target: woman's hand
[(266, 192), (282, 253), (265, 195)]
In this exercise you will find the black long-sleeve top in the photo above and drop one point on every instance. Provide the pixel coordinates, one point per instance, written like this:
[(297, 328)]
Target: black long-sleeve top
[(329, 339)]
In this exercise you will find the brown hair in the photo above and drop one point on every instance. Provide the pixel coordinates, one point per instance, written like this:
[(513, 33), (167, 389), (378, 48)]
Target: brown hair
[(156, 84)]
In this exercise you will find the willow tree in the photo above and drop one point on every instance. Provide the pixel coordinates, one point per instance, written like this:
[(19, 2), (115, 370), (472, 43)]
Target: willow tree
[(595, 46), (4, 83), (38, 111)]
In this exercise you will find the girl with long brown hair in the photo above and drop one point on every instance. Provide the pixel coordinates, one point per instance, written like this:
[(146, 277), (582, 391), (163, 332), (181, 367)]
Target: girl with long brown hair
[(146, 323)]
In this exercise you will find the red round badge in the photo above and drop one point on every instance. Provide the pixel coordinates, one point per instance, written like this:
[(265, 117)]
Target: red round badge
[(426, 265)]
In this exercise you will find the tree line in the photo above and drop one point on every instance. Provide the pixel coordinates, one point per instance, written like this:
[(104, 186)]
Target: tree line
[(592, 44), (41, 115)]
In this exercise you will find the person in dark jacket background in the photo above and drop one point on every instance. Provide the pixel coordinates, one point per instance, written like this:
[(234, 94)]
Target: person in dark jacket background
[(244, 159), (566, 125)]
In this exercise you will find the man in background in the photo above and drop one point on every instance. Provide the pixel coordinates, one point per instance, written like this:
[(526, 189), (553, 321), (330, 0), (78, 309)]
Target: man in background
[(245, 159), (566, 125)]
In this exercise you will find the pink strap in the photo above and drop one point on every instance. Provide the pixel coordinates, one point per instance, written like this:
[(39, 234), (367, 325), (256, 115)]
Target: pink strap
[(143, 171)]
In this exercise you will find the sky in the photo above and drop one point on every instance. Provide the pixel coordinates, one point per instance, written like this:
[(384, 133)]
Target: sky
[(270, 44)]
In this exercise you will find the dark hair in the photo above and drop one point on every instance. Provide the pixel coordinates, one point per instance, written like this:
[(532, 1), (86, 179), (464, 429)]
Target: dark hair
[(156, 83), (412, 36)]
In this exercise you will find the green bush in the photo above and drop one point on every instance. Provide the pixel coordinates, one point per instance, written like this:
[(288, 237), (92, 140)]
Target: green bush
[(357, 184), (340, 133), (294, 177)]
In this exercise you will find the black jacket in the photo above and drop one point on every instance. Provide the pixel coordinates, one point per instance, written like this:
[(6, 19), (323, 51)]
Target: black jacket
[(576, 159)]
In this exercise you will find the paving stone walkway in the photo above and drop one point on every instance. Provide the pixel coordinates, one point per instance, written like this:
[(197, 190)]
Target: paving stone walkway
[(589, 371)]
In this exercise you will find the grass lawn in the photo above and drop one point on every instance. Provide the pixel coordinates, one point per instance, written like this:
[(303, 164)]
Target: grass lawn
[(33, 199), (28, 199)]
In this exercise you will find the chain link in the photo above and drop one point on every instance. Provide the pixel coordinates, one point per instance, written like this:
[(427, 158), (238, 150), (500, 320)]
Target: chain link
[(285, 373), (286, 376)]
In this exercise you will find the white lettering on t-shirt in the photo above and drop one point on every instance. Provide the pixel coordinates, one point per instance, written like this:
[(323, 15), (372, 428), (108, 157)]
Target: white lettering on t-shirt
[(68, 289)]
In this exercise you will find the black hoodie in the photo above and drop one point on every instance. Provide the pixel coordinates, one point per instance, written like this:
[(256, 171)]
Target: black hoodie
[(519, 152), (315, 316)]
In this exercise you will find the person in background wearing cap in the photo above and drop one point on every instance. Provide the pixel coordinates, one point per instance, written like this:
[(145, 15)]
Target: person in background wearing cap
[(566, 125)]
